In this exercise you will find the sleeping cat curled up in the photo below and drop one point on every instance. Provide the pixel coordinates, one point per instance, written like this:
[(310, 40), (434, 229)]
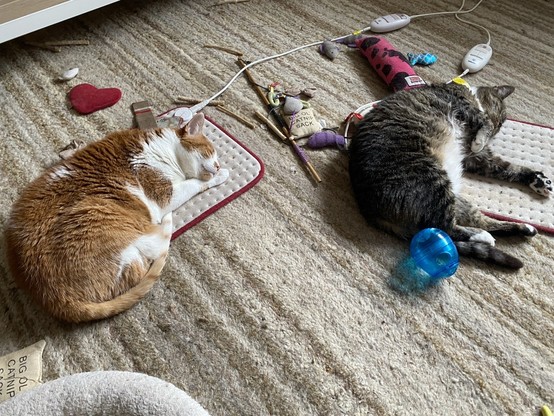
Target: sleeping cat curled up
[(89, 238), (408, 155)]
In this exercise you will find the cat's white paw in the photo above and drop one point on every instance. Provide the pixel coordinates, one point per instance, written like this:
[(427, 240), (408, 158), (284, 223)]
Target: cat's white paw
[(479, 143), (529, 230), (483, 237), (541, 184), (167, 225), (221, 176)]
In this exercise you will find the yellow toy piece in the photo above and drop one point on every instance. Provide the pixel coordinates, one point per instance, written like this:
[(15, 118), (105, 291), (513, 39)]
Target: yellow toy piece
[(460, 81), (545, 411)]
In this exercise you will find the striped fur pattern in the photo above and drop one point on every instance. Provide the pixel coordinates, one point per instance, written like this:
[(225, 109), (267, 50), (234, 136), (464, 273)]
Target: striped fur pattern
[(408, 156), (89, 238)]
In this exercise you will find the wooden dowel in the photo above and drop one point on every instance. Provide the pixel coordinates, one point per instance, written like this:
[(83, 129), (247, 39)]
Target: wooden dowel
[(67, 42), (271, 126), (222, 2), (235, 115), (44, 46), (224, 49), (253, 82), (185, 100)]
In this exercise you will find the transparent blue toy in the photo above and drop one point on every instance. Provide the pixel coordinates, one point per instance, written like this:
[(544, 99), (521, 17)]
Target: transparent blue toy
[(433, 256), (434, 252)]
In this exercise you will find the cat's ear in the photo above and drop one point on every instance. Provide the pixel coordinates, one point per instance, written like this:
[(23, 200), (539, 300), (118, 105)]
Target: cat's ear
[(195, 125), (504, 90)]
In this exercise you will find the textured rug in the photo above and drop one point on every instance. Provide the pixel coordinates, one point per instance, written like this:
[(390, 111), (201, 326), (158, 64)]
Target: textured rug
[(279, 302)]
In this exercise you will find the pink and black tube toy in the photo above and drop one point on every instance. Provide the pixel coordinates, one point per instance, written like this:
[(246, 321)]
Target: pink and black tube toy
[(391, 65)]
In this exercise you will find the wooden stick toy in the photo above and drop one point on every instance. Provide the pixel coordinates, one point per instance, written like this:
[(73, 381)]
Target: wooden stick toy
[(282, 133), (225, 49), (222, 2), (297, 149), (43, 46), (235, 115), (67, 42), (271, 126), (186, 100), (263, 96)]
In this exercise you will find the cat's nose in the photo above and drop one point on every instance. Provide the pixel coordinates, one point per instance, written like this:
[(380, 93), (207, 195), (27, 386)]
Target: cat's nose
[(217, 166)]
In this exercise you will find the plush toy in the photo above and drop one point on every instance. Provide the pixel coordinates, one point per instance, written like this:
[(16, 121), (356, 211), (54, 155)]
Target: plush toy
[(326, 138), (330, 49), (300, 117), (393, 68), (86, 98), (391, 65), (421, 58)]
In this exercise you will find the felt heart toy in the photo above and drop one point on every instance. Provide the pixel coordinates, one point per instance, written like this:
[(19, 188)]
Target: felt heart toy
[(86, 98)]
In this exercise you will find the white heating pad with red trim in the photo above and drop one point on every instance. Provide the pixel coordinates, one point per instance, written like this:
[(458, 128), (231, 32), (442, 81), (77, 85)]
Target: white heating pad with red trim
[(524, 144), (245, 170)]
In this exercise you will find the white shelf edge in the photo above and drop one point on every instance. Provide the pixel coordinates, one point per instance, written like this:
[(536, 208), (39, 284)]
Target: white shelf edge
[(47, 17)]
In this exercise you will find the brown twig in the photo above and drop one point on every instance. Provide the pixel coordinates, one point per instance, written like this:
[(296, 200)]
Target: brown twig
[(235, 115), (186, 100), (43, 46), (282, 133), (224, 49), (222, 2), (263, 96), (253, 82), (67, 42), (271, 126)]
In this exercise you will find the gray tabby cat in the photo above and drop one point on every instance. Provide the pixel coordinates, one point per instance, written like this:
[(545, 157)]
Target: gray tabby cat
[(408, 155)]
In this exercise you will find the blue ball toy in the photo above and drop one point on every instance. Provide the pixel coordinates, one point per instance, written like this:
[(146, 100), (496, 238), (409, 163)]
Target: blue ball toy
[(435, 253)]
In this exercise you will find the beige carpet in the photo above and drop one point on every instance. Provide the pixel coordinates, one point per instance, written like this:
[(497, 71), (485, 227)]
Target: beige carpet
[(279, 304)]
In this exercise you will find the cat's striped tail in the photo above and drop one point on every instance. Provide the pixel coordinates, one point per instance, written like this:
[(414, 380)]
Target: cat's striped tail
[(488, 253), (90, 311)]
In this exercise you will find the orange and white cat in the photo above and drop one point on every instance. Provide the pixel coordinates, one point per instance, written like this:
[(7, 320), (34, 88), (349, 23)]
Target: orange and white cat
[(89, 238)]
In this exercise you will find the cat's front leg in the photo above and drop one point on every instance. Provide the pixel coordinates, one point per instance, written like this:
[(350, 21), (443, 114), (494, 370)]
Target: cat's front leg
[(486, 164), (185, 190), (221, 176), (540, 183), (484, 134)]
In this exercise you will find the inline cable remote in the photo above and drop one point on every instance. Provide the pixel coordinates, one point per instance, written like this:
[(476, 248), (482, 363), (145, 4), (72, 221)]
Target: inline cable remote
[(389, 22), (477, 57)]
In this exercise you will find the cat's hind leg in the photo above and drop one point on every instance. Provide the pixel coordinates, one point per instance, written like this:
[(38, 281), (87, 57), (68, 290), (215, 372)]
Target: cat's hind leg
[(147, 254), (469, 229), (472, 234), (468, 215), (478, 243)]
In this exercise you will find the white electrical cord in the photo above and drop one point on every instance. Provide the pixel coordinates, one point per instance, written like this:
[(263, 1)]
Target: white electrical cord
[(460, 11), (476, 25), (204, 103), (194, 109)]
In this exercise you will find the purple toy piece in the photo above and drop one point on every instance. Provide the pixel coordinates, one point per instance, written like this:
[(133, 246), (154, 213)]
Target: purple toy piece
[(326, 138)]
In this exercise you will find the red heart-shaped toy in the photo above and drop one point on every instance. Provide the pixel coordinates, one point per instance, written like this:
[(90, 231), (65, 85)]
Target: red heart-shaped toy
[(86, 98)]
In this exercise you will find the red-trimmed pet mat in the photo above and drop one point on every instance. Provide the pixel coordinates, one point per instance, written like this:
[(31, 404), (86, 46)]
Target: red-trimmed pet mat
[(245, 170), (528, 145)]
